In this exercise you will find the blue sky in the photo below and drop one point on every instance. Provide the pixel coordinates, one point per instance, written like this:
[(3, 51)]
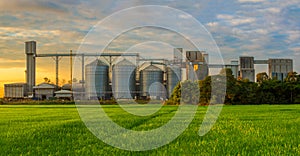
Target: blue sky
[(260, 28)]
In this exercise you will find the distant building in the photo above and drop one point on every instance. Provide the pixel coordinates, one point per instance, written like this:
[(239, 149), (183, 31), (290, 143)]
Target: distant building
[(247, 68), (196, 65), (177, 54), (15, 90), (280, 68), (64, 94), (234, 68), (44, 91)]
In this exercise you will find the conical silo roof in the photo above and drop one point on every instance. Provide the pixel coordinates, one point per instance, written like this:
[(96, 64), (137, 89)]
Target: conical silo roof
[(124, 62), (152, 68), (98, 63)]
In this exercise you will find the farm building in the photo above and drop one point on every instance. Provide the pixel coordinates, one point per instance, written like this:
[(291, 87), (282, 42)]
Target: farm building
[(44, 91), (64, 94), (15, 90)]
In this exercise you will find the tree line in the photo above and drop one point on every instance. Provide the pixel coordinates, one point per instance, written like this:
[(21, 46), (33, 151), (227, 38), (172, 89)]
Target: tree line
[(214, 89)]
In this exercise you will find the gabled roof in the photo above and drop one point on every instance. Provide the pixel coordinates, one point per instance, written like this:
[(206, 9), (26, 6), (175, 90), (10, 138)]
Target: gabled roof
[(45, 86), (63, 92)]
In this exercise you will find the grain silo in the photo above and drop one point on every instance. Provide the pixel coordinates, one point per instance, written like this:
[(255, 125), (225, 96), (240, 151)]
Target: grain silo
[(151, 83), (173, 78), (123, 80), (96, 80)]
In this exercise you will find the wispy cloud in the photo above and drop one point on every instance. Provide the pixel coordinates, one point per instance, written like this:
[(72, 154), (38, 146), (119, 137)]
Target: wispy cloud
[(261, 28), (35, 6), (250, 1)]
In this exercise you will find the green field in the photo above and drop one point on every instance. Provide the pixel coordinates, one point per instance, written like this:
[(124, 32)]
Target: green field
[(58, 130)]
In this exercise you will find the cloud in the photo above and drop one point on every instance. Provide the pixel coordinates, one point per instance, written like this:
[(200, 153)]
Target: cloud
[(235, 20), (252, 26), (250, 1), (212, 24), (241, 21), (185, 16), (30, 6), (272, 10), (12, 32), (224, 16)]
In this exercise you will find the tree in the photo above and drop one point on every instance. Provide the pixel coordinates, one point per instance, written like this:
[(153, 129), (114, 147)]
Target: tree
[(292, 77), (190, 92), (205, 90), (175, 96), (62, 82), (245, 93), (291, 83), (74, 80), (47, 80), (260, 77), (226, 72), (231, 88)]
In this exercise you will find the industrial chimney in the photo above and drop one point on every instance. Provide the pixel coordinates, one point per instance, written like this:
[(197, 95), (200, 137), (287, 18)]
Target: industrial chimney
[(30, 51)]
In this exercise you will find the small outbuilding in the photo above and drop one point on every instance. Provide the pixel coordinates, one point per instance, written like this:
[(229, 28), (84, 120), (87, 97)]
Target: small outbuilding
[(64, 94), (44, 91), (15, 90)]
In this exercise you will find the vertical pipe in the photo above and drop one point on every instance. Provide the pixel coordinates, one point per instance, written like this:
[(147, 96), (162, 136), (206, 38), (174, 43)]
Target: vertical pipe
[(82, 74), (71, 68), (56, 71)]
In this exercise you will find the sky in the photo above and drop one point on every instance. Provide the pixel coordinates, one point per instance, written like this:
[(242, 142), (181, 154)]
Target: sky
[(260, 28)]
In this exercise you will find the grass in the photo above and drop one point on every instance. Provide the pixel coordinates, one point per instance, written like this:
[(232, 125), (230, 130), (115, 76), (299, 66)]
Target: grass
[(58, 130)]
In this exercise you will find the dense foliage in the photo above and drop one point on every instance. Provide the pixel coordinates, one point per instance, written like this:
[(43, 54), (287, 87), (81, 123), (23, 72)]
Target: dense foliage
[(264, 91)]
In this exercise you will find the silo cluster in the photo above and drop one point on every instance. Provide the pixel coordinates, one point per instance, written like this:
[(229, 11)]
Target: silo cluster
[(154, 82)]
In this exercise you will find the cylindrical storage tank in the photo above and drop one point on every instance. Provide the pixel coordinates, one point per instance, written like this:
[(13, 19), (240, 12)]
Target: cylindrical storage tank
[(173, 78), (123, 80), (96, 80), (151, 83)]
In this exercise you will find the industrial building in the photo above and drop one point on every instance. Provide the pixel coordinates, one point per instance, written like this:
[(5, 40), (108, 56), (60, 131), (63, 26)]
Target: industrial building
[(44, 91), (15, 90), (280, 68), (196, 65), (106, 78), (247, 68)]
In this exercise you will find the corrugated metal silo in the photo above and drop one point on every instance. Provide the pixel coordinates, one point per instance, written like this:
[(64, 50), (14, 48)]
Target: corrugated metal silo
[(96, 79), (173, 78), (151, 82), (123, 80)]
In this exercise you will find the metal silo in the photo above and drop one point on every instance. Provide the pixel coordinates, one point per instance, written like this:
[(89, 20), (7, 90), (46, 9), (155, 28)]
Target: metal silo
[(173, 78), (96, 80), (151, 83), (123, 80)]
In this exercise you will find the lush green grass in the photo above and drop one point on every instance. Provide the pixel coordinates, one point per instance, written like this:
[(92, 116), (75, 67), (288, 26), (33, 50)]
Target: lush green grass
[(58, 130)]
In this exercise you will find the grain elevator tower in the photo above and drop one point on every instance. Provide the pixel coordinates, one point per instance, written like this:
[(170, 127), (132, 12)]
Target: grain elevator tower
[(30, 51)]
